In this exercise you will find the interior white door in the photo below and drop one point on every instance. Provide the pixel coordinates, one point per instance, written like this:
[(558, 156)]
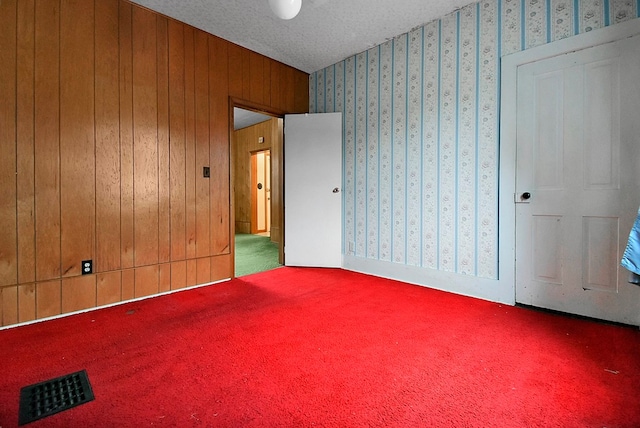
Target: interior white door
[(577, 180), (312, 190)]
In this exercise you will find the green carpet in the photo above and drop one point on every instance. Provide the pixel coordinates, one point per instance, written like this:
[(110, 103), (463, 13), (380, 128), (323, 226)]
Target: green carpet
[(255, 253)]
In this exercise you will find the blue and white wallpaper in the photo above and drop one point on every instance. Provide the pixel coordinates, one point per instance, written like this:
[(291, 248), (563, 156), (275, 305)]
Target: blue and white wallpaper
[(421, 128)]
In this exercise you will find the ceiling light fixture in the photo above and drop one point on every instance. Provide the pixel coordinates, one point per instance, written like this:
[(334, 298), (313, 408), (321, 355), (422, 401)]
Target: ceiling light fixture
[(285, 9)]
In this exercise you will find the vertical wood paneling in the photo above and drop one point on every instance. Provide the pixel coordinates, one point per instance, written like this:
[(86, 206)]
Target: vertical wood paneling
[(235, 70), (126, 137), (164, 235), (203, 270), (221, 267), (107, 102), (47, 144), (177, 139), (241, 182), (190, 142), (25, 142), (245, 71), (276, 84), (178, 275), (220, 199), (77, 134), (277, 184), (192, 272), (300, 91), (8, 305), (146, 279), (145, 137), (8, 248), (202, 144), (287, 90), (78, 293), (110, 112), (108, 288), (48, 299), (128, 284), (265, 84), (164, 277), (256, 78), (26, 302)]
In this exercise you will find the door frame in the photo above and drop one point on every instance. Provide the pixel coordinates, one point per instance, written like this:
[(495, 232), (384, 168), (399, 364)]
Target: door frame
[(508, 128), (279, 157)]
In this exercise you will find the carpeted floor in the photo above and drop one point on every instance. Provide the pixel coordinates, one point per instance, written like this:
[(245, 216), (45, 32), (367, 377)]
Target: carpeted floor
[(255, 253), (307, 347)]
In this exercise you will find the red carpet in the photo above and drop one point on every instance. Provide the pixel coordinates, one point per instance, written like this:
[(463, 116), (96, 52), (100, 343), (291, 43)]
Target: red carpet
[(315, 347)]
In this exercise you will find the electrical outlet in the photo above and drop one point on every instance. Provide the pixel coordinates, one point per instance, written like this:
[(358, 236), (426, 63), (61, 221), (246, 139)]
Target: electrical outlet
[(206, 172), (87, 267)]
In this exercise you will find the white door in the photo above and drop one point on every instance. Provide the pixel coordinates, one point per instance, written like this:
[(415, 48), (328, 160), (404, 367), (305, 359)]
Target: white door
[(312, 190), (577, 180)]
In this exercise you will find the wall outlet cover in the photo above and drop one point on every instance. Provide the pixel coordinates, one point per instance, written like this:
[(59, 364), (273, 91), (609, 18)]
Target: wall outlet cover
[(87, 267)]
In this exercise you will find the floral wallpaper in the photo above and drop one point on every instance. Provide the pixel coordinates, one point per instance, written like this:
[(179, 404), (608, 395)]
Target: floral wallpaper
[(421, 127)]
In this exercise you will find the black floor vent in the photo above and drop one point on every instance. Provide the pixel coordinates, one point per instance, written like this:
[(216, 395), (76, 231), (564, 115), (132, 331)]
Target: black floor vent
[(53, 396)]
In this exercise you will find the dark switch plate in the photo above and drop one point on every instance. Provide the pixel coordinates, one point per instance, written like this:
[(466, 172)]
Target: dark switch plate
[(206, 172)]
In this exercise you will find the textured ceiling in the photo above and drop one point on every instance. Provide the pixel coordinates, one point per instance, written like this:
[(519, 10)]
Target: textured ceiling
[(243, 118), (324, 33)]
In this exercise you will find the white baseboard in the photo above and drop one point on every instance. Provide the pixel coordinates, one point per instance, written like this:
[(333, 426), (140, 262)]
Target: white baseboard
[(486, 289)]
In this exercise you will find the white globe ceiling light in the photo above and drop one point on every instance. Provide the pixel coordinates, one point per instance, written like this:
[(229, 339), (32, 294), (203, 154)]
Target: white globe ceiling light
[(285, 9)]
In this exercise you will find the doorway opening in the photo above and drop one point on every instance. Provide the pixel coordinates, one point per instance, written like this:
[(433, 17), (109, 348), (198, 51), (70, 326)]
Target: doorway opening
[(261, 193), (257, 189)]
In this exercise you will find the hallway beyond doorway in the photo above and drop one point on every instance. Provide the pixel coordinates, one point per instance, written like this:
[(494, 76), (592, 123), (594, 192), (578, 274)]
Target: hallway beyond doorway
[(255, 253)]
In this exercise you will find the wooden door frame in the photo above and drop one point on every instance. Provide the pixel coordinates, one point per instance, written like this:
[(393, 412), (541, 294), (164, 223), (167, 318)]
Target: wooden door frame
[(279, 157), (508, 132)]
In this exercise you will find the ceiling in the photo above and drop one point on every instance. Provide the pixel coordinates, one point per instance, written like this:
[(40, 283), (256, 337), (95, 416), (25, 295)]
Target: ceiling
[(324, 32), (244, 118)]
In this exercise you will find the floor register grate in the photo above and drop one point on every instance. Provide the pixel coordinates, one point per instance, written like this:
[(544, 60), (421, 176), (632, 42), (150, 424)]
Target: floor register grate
[(53, 396)]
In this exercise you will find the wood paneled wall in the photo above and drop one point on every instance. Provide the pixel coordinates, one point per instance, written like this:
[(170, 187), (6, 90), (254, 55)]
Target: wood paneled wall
[(245, 142), (109, 113)]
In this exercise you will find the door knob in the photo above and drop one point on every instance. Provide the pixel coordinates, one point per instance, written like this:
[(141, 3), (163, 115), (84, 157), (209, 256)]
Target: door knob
[(259, 186), (526, 195), (336, 190)]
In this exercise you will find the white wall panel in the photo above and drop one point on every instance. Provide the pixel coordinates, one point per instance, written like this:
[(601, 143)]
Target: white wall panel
[(467, 191), (373, 153), (349, 141), (488, 172), (561, 19), (431, 100), (360, 190), (536, 23), (591, 15), (385, 192), (399, 149), (414, 148)]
